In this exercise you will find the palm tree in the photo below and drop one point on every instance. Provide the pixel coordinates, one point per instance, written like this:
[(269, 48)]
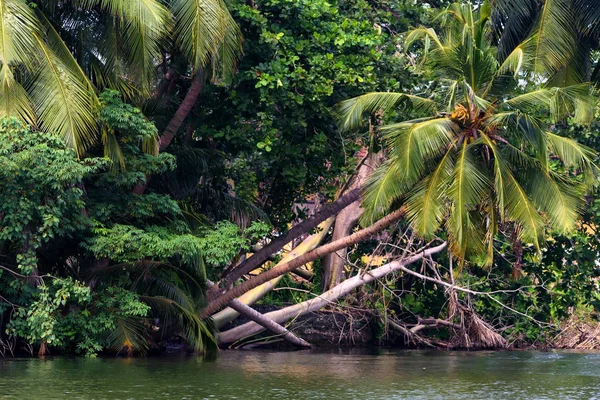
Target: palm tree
[(559, 34), (482, 160), (54, 54)]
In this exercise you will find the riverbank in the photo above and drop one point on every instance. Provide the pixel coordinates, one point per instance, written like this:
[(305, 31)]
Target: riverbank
[(328, 329)]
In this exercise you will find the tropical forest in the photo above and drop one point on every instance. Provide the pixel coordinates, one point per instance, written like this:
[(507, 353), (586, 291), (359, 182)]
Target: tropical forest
[(342, 199)]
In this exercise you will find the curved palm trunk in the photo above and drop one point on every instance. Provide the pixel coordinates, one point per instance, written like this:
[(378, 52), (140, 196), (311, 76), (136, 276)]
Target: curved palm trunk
[(183, 111), (227, 315), (333, 264), (180, 115), (312, 255), (324, 299)]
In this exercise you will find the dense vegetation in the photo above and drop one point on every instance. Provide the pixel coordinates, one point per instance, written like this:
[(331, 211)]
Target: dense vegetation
[(425, 167)]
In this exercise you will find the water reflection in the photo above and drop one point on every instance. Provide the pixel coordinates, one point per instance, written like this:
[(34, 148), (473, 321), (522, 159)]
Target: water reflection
[(309, 375)]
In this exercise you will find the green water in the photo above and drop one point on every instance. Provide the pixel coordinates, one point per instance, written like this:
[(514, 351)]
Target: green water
[(309, 375)]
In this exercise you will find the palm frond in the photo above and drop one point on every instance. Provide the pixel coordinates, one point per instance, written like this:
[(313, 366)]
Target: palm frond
[(468, 188), (383, 187), (350, 113), (143, 25), (13, 97), (554, 37), (520, 209), (420, 33), (156, 286), (573, 154), (561, 201), (129, 335), (519, 59), (204, 29), (113, 151), (499, 168), (414, 142), (62, 100), (575, 100), (198, 333), (18, 46), (425, 207)]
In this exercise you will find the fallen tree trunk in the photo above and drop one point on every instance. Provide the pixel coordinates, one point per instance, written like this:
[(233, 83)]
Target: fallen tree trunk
[(227, 315), (267, 323), (324, 299), (312, 255), (258, 258)]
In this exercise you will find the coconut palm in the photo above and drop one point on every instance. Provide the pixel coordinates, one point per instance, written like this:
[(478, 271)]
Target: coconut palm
[(560, 34), (55, 53), (481, 159)]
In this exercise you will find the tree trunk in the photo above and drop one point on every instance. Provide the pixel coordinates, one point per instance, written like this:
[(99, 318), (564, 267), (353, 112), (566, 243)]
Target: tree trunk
[(183, 111), (312, 255), (266, 322), (333, 264), (180, 115), (326, 298), (227, 315), (258, 258)]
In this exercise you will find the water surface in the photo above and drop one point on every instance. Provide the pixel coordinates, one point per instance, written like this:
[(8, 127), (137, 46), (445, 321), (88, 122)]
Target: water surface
[(309, 375)]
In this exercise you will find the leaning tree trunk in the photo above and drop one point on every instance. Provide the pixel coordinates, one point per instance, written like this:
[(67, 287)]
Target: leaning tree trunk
[(346, 220), (176, 121), (258, 258), (227, 315), (266, 323), (312, 255), (285, 314), (183, 111)]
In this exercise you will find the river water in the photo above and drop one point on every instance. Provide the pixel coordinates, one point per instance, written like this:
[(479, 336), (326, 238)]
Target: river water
[(308, 375)]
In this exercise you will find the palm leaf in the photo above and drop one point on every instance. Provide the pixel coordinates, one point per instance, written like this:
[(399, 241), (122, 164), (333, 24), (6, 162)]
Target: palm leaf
[(571, 152), (350, 113), (425, 202), (129, 335), (468, 187), (420, 33), (18, 47), (554, 37), (382, 188), (198, 333), (520, 209), (562, 201), (63, 102), (204, 29), (414, 142)]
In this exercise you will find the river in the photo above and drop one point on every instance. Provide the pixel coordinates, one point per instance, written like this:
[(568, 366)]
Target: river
[(263, 375)]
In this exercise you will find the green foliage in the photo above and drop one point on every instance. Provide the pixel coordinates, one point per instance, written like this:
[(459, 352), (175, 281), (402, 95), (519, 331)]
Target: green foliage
[(40, 187), (301, 58), (66, 314)]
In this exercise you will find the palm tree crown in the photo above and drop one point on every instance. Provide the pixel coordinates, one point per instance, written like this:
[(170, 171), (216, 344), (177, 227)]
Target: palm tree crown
[(481, 161), (55, 53)]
